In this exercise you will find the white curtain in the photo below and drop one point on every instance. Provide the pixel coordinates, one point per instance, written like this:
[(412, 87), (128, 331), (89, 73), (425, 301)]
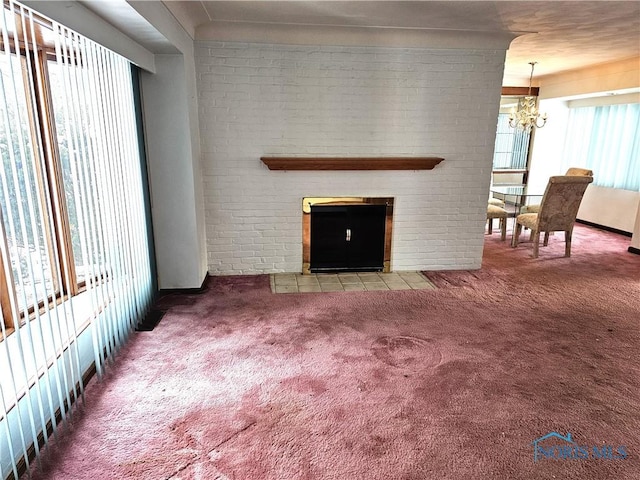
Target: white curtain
[(606, 139)]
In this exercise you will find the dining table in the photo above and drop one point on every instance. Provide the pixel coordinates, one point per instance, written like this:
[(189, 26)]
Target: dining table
[(515, 199)]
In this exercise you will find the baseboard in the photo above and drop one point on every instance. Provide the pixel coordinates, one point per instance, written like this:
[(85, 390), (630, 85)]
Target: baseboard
[(603, 227), (634, 250), (188, 291)]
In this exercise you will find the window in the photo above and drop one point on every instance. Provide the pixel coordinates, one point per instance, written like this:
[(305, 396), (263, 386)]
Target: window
[(606, 139), (511, 150), (52, 181), (24, 221), (512, 145), (33, 222), (72, 119), (70, 164)]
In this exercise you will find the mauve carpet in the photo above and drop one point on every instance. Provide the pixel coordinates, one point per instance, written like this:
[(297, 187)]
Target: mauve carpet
[(454, 383)]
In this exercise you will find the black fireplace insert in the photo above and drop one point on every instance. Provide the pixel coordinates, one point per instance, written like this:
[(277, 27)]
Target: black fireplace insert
[(347, 238)]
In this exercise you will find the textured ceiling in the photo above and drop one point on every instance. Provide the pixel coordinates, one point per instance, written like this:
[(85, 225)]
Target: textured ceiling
[(559, 35)]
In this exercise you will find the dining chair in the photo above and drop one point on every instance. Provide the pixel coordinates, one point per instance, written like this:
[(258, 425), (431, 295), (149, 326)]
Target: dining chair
[(572, 171), (494, 211), (557, 212), (579, 172)]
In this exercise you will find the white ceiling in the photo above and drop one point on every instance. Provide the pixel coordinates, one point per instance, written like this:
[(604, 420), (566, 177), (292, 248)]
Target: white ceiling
[(559, 35)]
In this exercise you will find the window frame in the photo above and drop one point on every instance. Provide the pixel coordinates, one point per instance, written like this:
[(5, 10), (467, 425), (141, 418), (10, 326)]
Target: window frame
[(5, 302)]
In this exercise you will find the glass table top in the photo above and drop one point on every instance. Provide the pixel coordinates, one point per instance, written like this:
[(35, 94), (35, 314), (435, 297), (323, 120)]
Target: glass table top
[(516, 197)]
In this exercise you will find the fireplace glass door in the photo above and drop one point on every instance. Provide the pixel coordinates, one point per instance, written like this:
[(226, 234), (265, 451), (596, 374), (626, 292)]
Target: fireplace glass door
[(347, 238)]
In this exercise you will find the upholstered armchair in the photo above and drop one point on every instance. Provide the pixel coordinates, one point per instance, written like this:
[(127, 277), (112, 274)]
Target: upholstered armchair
[(557, 212), (574, 172)]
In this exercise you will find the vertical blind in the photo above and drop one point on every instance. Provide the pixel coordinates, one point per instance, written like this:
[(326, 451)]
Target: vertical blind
[(74, 265)]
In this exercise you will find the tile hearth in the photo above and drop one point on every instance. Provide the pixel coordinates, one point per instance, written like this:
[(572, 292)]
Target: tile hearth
[(348, 282)]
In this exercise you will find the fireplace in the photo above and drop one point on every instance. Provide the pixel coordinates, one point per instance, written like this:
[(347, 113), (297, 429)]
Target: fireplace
[(347, 234)]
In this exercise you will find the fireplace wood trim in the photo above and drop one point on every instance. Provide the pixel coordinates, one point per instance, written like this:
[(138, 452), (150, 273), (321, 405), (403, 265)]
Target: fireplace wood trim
[(351, 163)]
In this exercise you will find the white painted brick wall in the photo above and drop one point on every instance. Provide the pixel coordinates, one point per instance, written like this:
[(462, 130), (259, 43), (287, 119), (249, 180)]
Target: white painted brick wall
[(259, 99)]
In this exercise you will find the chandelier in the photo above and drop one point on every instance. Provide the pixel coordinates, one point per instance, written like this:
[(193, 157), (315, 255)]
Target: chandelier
[(526, 115)]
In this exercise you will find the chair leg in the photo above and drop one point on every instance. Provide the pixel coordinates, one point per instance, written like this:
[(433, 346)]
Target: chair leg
[(546, 239), (536, 243), (516, 235), (567, 243), (490, 231), (503, 229)]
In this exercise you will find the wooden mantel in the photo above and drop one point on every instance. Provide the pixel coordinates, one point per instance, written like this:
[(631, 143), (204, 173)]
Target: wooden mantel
[(351, 163)]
